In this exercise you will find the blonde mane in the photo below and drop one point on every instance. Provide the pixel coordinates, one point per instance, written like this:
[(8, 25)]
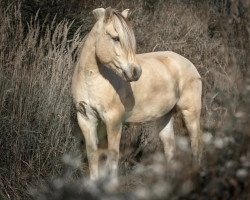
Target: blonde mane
[(124, 30)]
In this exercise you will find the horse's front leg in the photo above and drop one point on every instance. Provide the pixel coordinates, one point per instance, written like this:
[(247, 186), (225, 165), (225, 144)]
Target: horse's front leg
[(114, 136), (88, 125)]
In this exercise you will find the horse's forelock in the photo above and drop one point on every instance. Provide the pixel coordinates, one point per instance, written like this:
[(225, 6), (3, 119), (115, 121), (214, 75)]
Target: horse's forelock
[(125, 32)]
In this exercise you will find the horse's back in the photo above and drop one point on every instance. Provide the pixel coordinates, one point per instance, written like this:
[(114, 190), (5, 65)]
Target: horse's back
[(173, 61)]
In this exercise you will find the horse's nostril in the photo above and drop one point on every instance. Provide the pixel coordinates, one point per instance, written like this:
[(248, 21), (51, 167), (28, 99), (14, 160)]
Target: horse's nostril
[(134, 72)]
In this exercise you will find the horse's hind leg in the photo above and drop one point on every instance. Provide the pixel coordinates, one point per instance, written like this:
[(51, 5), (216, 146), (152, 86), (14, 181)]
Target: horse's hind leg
[(192, 120), (190, 106), (88, 127), (168, 139)]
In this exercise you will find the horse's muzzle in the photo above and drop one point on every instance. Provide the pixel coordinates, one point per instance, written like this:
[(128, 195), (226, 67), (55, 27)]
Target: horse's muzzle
[(133, 73)]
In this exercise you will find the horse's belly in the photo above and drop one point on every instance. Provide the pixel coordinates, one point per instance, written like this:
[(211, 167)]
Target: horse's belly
[(151, 109)]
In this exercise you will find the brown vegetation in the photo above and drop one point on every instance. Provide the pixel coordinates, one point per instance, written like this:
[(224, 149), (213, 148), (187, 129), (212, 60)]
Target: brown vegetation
[(37, 56)]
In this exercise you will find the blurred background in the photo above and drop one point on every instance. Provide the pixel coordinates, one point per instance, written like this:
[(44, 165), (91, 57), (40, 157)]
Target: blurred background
[(40, 41)]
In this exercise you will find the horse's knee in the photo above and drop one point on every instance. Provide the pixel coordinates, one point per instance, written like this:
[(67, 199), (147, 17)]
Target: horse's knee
[(108, 162), (113, 163)]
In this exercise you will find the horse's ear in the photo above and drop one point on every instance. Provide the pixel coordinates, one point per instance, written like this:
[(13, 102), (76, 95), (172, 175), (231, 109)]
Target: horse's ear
[(108, 14), (98, 13), (125, 13)]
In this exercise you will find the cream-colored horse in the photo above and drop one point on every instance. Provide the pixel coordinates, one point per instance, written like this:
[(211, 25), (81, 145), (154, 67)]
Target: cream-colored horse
[(113, 84)]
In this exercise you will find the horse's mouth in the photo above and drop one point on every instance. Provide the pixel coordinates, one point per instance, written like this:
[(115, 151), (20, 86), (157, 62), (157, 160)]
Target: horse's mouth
[(122, 74), (126, 77)]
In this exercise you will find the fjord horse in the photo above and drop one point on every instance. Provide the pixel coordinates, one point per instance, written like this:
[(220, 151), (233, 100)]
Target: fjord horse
[(113, 84)]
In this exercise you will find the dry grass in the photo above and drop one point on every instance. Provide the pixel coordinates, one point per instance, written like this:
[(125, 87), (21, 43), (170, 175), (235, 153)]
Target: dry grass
[(36, 114), (35, 99)]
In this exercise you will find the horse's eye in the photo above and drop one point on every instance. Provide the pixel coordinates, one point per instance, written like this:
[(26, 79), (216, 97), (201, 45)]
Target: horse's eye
[(117, 39)]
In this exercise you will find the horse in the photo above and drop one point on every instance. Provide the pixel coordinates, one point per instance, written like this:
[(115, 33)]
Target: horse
[(114, 85)]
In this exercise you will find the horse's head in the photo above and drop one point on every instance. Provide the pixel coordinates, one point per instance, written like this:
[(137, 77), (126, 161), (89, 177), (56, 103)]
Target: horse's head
[(115, 43)]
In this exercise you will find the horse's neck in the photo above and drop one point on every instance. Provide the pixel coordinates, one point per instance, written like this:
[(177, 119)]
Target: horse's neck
[(87, 62)]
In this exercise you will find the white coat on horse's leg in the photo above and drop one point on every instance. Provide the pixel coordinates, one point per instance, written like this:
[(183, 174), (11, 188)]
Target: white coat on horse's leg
[(114, 137), (88, 127), (168, 139)]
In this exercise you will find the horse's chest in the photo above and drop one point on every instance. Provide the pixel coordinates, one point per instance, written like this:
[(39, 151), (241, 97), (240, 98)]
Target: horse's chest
[(104, 97)]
